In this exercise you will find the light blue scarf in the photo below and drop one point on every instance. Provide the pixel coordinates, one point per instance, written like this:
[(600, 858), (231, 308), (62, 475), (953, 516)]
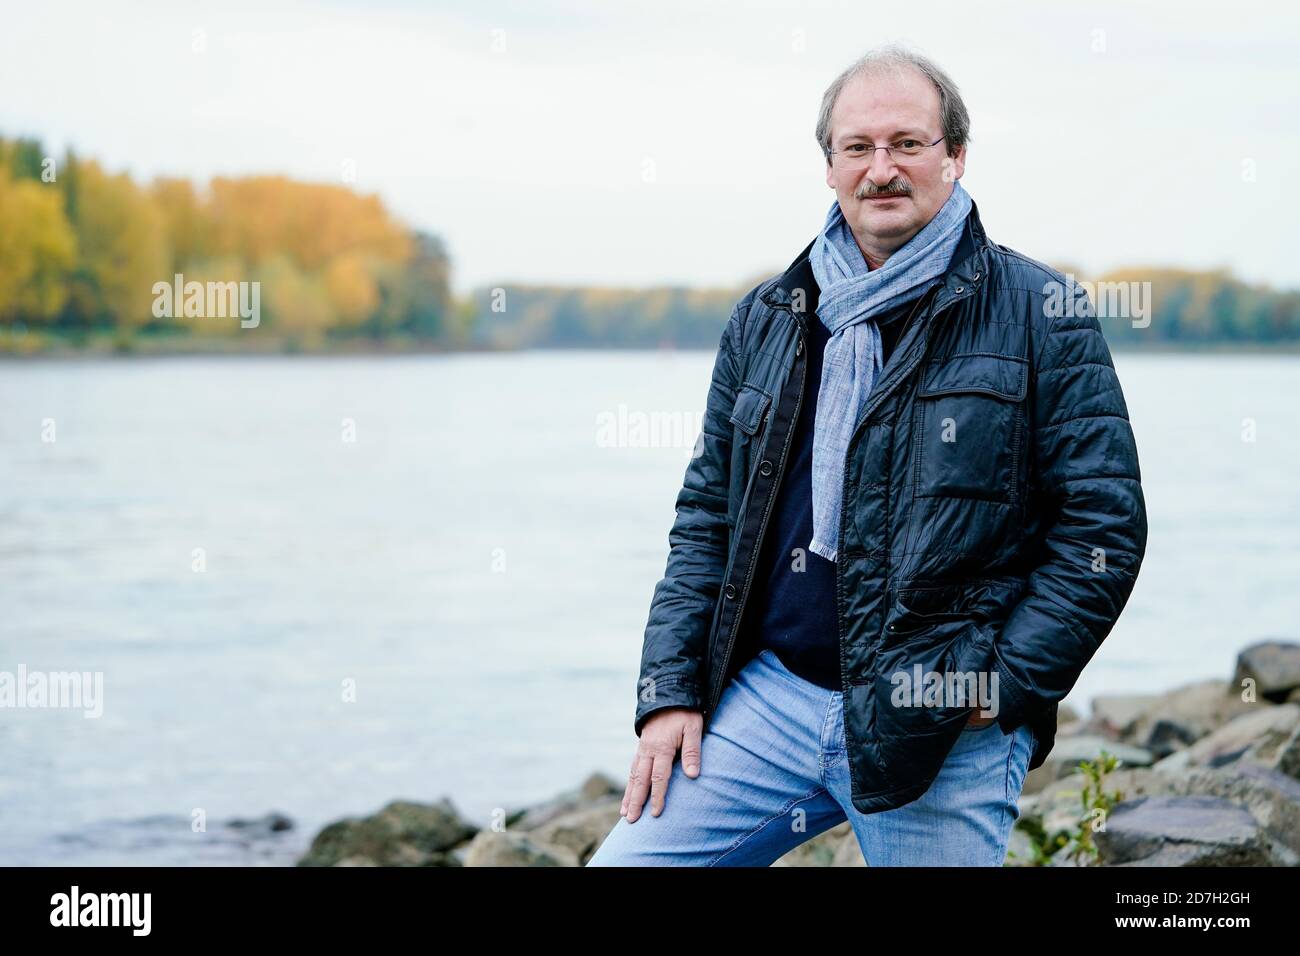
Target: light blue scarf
[(851, 294)]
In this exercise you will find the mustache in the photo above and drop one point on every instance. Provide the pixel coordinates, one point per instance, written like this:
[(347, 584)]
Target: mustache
[(895, 187)]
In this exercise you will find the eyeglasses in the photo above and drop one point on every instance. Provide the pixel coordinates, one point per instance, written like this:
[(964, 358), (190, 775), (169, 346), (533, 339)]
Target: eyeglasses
[(905, 152)]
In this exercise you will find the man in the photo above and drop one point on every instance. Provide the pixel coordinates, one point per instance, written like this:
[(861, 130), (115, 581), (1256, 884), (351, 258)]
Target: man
[(914, 515)]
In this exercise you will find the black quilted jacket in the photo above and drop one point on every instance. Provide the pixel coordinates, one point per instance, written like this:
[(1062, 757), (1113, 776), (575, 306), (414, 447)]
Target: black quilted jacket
[(993, 514)]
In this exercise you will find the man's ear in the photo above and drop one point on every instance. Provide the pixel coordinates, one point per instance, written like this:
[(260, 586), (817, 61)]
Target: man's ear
[(830, 174), (957, 164)]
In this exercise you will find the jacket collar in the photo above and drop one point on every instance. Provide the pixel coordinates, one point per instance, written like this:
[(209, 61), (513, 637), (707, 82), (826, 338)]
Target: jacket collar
[(966, 272)]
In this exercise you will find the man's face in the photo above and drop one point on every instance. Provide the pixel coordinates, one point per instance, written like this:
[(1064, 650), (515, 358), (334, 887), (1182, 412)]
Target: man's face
[(886, 204)]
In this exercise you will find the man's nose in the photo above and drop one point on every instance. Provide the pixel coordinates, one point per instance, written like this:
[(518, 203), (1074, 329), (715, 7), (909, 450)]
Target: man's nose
[(882, 171)]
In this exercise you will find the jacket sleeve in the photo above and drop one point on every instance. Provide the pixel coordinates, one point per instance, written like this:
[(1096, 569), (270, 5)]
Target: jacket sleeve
[(1095, 517), (684, 601)]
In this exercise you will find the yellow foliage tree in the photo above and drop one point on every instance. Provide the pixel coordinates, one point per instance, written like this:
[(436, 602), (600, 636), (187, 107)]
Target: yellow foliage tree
[(296, 303), (122, 245), (351, 289), (186, 219), (37, 250), (258, 217)]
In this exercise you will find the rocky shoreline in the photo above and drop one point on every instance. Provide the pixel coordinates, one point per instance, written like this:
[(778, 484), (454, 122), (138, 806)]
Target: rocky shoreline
[(1207, 774)]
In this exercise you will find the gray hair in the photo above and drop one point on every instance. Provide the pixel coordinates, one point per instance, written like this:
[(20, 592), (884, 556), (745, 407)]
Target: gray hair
[(952, 111)]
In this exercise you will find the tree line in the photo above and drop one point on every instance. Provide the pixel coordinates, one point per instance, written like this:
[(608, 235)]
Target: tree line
[(1137, 308), (84, 251)]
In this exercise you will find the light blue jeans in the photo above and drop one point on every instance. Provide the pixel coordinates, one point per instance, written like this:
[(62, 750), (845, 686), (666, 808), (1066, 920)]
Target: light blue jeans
[(774, 773)]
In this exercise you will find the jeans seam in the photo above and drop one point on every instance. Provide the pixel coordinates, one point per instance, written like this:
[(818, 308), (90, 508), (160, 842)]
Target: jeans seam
[(1010, 808), (740, 841), (1011, 752), (821, 756)]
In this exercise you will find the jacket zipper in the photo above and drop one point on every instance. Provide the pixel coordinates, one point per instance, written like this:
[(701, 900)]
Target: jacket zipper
[(767, 510), (844, 483), (878, 399), (871, 406)]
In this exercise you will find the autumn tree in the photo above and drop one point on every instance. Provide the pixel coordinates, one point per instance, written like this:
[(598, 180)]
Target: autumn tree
[(37, 250)]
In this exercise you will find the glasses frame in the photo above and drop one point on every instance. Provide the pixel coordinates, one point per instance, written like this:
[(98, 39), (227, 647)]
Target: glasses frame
[(870, 154)]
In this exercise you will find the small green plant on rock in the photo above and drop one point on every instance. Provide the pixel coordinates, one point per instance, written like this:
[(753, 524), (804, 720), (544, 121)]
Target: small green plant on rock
[(1095, 801)]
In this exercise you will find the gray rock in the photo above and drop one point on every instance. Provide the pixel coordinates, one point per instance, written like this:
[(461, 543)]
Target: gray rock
[(272, 822), (1265, 735), (1167, 736), (583, 830), (511, 848), (595, 788), (403, 833), (1134, 782), (1274, 666), (1119, 712), (1271, 797), (1180, 855), (1039, 777), (1181, 717), (1182, 831), (1286, 758), (1068, 752), (598, 786), (1091, 726)]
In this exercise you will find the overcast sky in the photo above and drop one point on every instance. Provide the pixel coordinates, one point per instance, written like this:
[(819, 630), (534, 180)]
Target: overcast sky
[(672, 142)]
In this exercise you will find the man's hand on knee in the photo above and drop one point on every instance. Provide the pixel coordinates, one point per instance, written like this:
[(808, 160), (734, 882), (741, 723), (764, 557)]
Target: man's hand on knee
[(663, 734)]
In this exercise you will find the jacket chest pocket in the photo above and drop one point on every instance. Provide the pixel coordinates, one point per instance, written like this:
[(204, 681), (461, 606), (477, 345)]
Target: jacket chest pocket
[(748, 418), (968, 426)]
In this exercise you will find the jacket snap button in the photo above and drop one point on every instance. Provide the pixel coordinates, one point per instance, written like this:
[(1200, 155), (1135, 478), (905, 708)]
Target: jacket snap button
[(959, 289), (765, 467), (730, 591), (798, 349)]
